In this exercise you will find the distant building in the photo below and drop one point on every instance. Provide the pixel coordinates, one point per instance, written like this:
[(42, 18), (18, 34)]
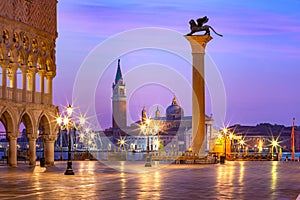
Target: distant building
[(119, 119), (174, 132), (258, 138)]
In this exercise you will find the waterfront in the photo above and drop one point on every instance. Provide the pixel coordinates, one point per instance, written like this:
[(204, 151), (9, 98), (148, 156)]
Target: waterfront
[(95, 180)]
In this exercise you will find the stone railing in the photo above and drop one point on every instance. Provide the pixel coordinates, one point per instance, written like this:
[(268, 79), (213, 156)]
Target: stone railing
[(30, 97)]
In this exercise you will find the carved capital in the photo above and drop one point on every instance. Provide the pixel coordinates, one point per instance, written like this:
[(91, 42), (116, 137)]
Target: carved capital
[(24, 68), (4, 64), (32, 70), (32, 136), (49, 138), (42, 72), (12, 136), (50, 75), (198, 42)]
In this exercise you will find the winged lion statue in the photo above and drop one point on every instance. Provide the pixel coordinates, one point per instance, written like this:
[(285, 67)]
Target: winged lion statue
[(197, 27)]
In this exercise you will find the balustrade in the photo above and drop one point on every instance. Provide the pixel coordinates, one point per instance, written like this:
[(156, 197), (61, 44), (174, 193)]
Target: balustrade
[(19, 96)]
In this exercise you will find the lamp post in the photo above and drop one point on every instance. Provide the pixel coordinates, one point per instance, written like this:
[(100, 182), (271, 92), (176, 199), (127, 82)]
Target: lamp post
[(87, 137), (148, 128), (225, 130), (146, 131), (275, 144), (242, 143), (65, 122)]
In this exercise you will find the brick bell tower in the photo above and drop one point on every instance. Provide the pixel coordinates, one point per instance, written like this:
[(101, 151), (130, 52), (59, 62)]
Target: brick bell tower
[(119, 101)]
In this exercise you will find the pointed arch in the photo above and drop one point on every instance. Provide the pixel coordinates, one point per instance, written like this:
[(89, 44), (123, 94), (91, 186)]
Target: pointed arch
[(8, 122), (28, 122), (44, 125)]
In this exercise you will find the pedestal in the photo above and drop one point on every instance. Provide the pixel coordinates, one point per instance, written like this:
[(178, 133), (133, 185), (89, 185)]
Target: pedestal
[(198, 44)]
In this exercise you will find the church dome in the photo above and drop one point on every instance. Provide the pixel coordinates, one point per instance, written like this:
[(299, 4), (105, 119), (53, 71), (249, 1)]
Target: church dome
[(174, 111)]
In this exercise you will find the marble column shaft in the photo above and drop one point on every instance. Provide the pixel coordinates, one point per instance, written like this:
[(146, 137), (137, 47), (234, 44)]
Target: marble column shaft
[(198, 44)]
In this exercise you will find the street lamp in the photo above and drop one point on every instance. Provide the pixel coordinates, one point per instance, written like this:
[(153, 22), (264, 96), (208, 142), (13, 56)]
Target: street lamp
[(122, 143), (242, 143), (65, 122), (260, 146), (225, 130), (87, 137), (275, 143), (147, 128)]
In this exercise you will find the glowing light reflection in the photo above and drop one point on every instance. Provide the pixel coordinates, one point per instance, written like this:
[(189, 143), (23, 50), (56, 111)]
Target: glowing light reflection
[(123, 185), (150, 186), (225, 179), (274, 175)]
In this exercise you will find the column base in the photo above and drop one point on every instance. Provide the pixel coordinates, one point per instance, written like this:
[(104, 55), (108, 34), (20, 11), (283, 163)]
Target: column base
[(32, 164), (148, 162), (50, 164), (69, 170)]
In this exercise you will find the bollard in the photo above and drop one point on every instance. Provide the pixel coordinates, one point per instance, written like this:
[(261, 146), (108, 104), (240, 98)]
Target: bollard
[(222, 159), (42, 162)]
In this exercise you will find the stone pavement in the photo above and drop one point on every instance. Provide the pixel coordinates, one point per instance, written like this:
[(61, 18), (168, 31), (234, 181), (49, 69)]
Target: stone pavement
[(131, 180)]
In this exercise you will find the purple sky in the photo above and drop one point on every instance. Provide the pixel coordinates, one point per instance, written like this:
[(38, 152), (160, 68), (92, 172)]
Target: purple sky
[(258, 57)]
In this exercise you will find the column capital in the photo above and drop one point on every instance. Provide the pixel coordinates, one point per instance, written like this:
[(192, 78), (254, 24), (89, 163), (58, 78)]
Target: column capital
[(4, 64), (11, 70), (12, 136), (49, 138), (198, 42), (32, 70), (14, 66), (32, 136), (41, 72), (24, 68), (50, 75)]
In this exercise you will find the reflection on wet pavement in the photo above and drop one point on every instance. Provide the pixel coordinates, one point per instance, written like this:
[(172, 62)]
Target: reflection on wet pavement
[(95, 180)]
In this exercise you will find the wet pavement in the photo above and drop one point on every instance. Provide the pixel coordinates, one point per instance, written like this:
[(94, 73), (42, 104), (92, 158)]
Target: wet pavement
[(131, 180)]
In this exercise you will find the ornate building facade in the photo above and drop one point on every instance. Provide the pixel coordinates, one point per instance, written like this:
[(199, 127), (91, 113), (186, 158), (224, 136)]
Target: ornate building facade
[(27, 61)]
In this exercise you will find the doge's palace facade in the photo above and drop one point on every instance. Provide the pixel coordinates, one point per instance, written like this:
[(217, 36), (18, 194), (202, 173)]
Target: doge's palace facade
[(28, 31)]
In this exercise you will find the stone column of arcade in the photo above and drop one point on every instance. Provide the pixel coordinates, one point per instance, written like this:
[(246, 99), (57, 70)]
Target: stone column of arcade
[(32, 149), (4, 79), (12, 151), (42, 82), (24, 82), (49, 78), (49, 149), (198, 44)]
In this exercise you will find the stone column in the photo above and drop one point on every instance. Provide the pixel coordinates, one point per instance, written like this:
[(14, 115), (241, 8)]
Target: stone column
[(13, 80), (4, 79), (49, 87), (24, 72), (198, 44), (31, 83), (32, 148), (32, 151), (42, 85), (12, 151), (49, 149)]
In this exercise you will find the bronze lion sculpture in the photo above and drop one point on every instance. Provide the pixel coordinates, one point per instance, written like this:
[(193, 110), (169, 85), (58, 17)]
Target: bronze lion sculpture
[(197, 27)]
